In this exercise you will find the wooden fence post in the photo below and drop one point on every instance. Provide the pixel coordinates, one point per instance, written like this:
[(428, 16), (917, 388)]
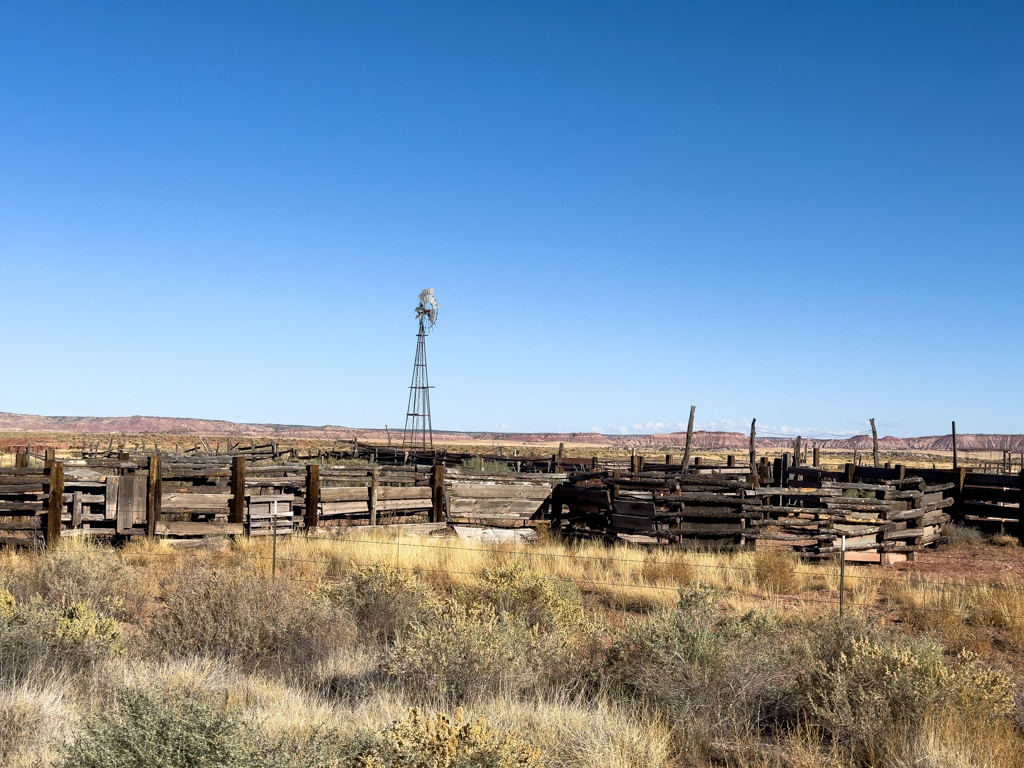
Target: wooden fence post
[(154, 495), (850, 469), (237, 514), (796, 452), (55, 504), (21, 460), (689, 439), (50, 454), (437, 494), (817, 457), (312, 496), (874, 443), (730, 460), (753, 450), (372, 494), (901, 471), (955, 465)]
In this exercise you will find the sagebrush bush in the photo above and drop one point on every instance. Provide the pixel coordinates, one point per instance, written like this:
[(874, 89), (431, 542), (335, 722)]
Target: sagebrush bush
[(440, 741), (146, 729), (540, 602), (461, 651), (37, 634), (725, 677), (869, 689), (250, 619), (383, 600)]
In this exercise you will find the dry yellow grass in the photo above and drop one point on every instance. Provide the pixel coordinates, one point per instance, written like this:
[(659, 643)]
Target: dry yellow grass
[(347, 688)]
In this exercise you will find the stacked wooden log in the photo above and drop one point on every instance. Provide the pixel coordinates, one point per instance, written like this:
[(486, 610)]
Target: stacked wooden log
[(810, 517), (873, 521)]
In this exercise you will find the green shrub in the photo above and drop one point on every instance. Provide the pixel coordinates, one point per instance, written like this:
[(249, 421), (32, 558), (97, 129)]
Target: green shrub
[(383, 600), (39, 633), (441, 741), (147, 730), (542, 603), (725, 678), (460, 651), (869, 689)]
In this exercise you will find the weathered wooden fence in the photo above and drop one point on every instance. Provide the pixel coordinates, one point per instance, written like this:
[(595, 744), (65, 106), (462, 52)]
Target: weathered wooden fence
[(186, 497), (807, 509), (875, 514)]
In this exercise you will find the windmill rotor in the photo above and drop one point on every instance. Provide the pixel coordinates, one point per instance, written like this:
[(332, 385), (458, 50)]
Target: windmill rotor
[(426, 310)]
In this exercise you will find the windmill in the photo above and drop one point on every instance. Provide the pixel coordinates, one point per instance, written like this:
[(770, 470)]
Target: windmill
[(419, 433)]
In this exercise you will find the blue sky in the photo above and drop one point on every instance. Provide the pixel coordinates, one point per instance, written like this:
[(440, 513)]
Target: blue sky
[(808, 213)]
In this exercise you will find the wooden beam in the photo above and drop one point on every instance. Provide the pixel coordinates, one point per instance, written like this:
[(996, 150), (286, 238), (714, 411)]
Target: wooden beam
[(21, 460), (372, 494), (312, 496), (437, 488), (753, 450), (689, 439), (55, 505), (237, 514), (955, 465), (796, 451), (154, 496), (874, 443), (817, 457)]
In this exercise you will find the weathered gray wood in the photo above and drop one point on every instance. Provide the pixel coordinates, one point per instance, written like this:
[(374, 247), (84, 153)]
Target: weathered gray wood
[(131, 502), (218, 501), (56, 503), (478, 491), (689, 440)]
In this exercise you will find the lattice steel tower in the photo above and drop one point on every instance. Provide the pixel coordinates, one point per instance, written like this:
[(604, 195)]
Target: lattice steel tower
[(419, 432)]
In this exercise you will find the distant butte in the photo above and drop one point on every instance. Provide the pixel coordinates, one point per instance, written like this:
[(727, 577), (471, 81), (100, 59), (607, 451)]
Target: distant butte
[(706, 441)]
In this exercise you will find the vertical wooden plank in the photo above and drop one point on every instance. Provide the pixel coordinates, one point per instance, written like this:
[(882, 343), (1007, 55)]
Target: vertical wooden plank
[(110, 498), (437, 496), (154, 495), (753, 449), (312, 496), (21, 460), (817, 456), (76, 509), (50, 454), (849, 471), (777, 473), (901, 471), (955, 465), (372, 494), (55, 504), (796, 451), (730, 460), (785, 470), (874, 443), (668, 460), (237, 514), (689, 439)]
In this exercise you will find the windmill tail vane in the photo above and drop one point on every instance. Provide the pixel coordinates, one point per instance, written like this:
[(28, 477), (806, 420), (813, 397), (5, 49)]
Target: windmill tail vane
[(419, 433)]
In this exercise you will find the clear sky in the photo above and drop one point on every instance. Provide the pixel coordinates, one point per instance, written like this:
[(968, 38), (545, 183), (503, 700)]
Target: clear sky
[(809, 213)]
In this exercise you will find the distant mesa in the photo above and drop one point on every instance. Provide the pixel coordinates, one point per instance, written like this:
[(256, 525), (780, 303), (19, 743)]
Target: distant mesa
[(702, 441)]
